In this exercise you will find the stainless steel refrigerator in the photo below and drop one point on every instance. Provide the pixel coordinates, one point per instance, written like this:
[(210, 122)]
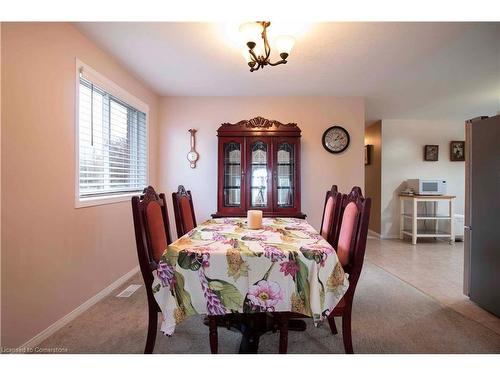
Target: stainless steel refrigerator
[(482, 212)]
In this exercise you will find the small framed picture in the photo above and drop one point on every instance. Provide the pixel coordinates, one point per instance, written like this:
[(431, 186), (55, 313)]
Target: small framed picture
[(431, 152), (457, 151), (368, 154)]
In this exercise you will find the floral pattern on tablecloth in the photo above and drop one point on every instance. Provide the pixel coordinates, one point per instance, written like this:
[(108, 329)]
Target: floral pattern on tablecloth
[(222, 267)]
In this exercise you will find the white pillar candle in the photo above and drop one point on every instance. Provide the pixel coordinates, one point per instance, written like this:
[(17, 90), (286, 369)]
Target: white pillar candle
[(254, 219)]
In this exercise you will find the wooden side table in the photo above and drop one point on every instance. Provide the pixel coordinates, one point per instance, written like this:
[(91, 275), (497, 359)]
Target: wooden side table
[(414, 217)]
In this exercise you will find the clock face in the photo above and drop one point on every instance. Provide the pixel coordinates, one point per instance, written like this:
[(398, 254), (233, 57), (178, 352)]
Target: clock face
[(335, 139), (192, 156)]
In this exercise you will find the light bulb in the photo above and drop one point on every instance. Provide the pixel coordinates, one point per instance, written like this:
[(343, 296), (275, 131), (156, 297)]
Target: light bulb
[(284, 45)]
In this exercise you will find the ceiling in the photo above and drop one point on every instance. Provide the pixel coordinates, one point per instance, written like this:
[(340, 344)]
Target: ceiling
[(404, 70)]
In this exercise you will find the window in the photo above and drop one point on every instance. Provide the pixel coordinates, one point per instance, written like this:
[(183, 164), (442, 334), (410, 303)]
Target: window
[(112, 141)]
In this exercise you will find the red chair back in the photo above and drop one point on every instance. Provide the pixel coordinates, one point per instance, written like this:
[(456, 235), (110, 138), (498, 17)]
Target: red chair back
[(354, 220), (183, 210), (152, 233), (331, 211)]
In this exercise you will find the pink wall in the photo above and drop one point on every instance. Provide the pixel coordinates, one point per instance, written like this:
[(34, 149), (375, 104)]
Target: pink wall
[(0, 180), (54, 257), (320, 169)]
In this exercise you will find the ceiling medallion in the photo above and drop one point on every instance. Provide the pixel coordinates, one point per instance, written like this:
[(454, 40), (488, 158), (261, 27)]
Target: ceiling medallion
[(259, 51)]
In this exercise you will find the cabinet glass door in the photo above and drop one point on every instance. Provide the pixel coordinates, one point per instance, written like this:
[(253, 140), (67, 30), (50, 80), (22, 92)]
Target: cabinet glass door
[(285, 169), (232, 174), (259, 174)]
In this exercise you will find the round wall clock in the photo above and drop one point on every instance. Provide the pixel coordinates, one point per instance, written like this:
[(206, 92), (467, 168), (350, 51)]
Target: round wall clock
[(335, 139)]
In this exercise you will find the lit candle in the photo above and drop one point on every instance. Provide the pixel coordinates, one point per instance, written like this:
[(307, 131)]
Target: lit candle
[(254, 219)]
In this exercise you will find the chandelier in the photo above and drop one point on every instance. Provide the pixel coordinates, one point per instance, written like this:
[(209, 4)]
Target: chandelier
[(259, 51)]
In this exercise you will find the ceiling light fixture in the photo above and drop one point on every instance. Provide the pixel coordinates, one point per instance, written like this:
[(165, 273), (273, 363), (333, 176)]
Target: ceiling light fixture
[(259, 51)]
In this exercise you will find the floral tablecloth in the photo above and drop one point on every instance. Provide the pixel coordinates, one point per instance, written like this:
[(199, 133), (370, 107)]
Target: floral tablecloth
[(221, 266)]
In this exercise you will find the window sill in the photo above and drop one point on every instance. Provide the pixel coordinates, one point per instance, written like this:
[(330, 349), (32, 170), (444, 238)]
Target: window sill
[(99, 201)]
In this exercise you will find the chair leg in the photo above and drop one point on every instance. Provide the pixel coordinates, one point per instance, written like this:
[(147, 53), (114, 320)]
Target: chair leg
[(346, 330), (152, 328), (283, 347), (331, 322), (212, 327)]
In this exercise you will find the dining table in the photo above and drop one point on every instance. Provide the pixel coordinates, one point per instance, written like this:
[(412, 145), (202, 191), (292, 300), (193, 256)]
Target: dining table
[(222, 268)]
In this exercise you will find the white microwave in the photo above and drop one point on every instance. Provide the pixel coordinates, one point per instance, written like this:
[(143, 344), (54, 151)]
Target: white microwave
[(427, 187)]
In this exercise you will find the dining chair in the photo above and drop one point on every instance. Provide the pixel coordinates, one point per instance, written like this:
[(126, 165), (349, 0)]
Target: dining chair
[(152, 235), (355, 215), (353, 194), (351, 245), (331, 212), (183, 211)]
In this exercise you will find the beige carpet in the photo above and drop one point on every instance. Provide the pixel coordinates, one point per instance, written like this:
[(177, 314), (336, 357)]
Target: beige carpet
[(389, 316)]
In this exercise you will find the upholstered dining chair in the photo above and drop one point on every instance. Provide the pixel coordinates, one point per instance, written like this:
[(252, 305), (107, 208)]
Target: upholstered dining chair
[(183, 211), (331, 212), (152, 235), (355, 215)]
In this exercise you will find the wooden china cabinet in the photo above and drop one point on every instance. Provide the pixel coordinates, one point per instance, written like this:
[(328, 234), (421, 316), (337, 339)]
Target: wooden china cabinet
[(259, 168)]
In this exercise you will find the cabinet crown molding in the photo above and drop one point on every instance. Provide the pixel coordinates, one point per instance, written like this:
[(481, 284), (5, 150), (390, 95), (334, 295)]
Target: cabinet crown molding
[(260, 123)]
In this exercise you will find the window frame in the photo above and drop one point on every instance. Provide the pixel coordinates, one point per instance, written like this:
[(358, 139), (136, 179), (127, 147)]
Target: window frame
[(115, 90)]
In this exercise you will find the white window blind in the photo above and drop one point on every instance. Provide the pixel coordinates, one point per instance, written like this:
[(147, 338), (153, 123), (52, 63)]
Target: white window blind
[(112, 144)]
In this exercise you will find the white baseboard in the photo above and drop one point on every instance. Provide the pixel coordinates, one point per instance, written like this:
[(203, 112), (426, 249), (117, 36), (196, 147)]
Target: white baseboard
[(383, 236), (390, 237), (373, 233), (79, 310)]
